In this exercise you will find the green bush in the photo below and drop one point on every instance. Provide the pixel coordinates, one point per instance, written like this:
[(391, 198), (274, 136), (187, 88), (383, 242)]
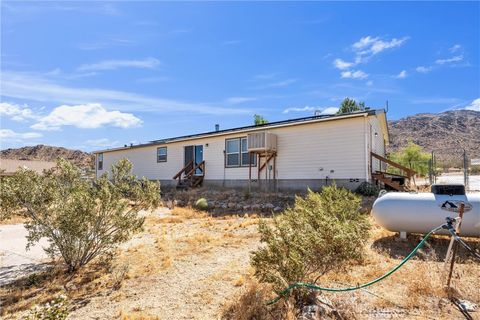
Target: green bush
[(320, 233), (367, 189), (201, 204), (81, 218)]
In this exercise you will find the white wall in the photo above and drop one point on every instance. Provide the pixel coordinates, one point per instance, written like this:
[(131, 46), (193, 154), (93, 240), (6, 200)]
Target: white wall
[(305, 151), (377, 142)]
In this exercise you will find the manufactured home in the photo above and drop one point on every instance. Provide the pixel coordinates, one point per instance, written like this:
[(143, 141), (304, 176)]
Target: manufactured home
[(291, 154)]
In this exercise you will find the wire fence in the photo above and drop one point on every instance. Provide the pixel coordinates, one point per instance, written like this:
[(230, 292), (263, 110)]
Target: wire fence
[(454, 167)]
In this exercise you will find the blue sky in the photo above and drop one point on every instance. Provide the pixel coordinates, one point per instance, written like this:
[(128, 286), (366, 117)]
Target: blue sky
[(94, 75)]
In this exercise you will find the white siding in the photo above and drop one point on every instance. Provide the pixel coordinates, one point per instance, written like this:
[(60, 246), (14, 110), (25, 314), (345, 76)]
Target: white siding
[(305, 151), (377, 142)]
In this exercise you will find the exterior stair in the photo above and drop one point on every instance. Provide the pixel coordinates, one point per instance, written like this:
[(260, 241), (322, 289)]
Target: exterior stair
[(389, 181), (394, 181), (190, 176)]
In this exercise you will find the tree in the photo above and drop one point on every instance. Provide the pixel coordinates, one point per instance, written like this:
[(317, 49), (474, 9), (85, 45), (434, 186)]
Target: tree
[(412, 157), (81, 218), (320, 233), (258, 119), (349, 105)]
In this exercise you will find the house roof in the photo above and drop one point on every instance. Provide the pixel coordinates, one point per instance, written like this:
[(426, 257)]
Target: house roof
[(10, 166), (276, 124)]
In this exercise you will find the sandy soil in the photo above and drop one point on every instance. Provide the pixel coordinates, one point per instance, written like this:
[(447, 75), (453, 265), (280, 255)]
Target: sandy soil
[(206, 262), (15, 260)]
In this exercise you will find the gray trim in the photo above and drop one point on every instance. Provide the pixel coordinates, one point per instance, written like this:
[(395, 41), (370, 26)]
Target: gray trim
[(282, 184)]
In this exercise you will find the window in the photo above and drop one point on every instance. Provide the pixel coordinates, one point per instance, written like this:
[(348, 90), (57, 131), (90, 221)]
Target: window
[(162, 154), (236, 153), (100, 161), (245, 155), (232, 151)]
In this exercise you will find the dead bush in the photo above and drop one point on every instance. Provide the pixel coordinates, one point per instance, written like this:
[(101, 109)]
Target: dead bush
[(250, 305)]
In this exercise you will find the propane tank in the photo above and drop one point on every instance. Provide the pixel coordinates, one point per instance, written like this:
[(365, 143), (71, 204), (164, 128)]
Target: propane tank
[(421, 212)]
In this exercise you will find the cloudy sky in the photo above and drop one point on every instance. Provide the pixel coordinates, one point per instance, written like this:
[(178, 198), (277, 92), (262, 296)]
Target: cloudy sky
[(101, 74)]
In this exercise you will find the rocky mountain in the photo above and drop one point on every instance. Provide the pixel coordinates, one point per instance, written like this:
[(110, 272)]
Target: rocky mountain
[(446, 133), (49, 153)]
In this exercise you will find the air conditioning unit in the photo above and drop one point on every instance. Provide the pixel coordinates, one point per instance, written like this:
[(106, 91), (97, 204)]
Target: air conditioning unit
[(262, 141)]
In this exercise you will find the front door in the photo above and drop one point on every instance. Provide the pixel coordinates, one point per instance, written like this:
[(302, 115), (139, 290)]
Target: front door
[(194, 154)]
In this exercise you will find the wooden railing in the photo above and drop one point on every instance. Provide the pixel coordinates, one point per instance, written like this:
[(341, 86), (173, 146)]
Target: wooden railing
[(183, 170), (188, 174), (200, 166), (408, 172)]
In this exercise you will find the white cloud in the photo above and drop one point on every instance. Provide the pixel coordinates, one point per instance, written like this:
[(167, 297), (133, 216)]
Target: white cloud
[(88, 116), (354, 74), (369, 83), (402, 75), (283, 83), (423, 69), (342, 65), (16, 112), (371, 46), (38, 88), (435, 100), (364, 49), (102, 143), (318, 110), (299, 109), (238, 100), (231, 42), (449, 60), (329, 110), (265, 76), (147, 63), (455, 48), (12, 136), (277, 84), (475, 105)]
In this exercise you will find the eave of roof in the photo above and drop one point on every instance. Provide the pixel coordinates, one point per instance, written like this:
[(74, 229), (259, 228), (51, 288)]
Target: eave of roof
[(276, 124)]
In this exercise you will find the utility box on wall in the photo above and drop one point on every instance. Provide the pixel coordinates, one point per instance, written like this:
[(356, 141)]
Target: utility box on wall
[(262, 142)]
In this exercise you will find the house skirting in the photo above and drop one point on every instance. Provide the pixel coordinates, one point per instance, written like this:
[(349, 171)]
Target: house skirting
[(282, 184)]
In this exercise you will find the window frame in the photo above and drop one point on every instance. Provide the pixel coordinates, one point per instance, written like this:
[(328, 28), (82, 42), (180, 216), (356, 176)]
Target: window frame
[(240, 153), (166, 154), (229, 153), (100, 161)]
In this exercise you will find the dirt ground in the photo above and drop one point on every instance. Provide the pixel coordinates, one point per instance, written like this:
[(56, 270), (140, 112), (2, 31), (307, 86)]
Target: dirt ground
[(191, 266), (188, 267)]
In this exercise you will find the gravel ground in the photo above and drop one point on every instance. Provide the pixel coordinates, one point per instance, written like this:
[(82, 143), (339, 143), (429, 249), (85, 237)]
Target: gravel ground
[(197, 283)]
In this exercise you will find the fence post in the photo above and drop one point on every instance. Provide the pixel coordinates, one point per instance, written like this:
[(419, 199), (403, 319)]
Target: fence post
[(465, 169)]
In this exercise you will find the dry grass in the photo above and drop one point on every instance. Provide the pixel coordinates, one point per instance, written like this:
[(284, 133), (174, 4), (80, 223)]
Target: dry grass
[(15, 219), (136, 315), (195, 239), (188, 213), (42, 287)]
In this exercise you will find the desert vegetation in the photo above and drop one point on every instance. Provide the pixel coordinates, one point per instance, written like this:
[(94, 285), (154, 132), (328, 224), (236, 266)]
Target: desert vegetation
[(185, 263), (82, 219)]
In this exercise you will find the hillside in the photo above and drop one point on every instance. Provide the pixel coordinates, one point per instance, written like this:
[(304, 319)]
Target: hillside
[(446, 133), (49, 153)]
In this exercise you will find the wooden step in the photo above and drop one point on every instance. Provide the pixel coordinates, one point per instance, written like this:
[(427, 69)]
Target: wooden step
[(388, 181)]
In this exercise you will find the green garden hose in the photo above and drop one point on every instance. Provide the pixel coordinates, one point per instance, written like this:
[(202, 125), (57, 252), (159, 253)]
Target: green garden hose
[(389, 273)]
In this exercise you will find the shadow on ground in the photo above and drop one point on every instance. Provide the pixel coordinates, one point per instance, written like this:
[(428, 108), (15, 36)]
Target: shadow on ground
[(434, 250), (12, 273)]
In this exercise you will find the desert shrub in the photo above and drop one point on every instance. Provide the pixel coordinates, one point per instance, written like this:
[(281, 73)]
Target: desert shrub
[(201, 204), (367, 189), (321, 232), (57, 309), (81, 218)]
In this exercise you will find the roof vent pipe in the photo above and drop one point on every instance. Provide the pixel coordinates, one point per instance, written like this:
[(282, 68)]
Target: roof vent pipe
[(217, 127)]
